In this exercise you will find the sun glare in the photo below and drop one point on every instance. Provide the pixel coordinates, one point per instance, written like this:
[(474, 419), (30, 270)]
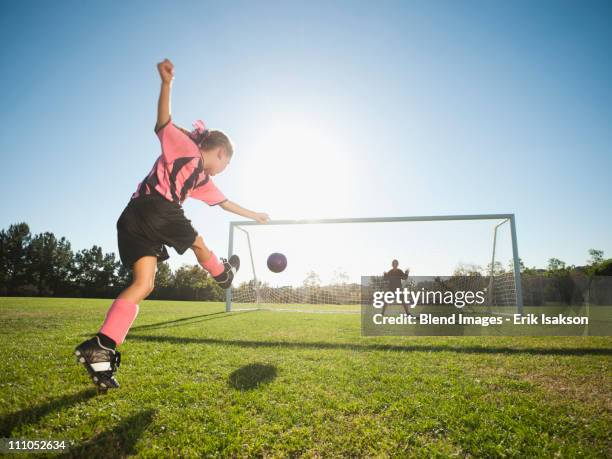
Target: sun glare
[(307, 169)]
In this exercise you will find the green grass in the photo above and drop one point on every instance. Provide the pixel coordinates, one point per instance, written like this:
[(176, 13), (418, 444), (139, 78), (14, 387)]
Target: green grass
[(199, 382)]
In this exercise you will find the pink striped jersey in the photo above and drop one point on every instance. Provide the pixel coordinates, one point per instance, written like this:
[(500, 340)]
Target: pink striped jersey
[(178, 172)]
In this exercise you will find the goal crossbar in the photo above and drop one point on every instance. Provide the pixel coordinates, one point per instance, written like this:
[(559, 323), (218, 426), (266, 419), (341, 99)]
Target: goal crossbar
[(427, 218)]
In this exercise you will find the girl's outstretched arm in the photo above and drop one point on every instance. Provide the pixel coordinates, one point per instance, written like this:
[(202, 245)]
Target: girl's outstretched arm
[(166, 73), (238, 210)]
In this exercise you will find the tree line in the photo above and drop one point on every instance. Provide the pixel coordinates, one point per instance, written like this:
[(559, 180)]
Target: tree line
[(44, 265), (570, 284)]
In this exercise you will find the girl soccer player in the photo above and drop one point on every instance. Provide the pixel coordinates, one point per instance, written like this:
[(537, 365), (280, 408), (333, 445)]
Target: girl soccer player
[(154, 219)]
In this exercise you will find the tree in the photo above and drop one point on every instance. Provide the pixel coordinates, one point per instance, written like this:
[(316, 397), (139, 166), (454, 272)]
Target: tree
[(124, 276), (521, 266), (554, 264), (13, 257), (470, 269), (597, 266), (59, 279), (312, 285), (248, 292), (94, 270), (312, 280), (340, 277), (190, 276), (604, 268), (108, 274), (498, 269), (596, 256), (49, 263), (562, 284), (196, 284), (4, 275), (164, 276)]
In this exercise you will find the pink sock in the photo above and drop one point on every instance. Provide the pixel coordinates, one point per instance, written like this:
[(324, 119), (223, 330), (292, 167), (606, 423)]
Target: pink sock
[(119, 319), (213, 265)]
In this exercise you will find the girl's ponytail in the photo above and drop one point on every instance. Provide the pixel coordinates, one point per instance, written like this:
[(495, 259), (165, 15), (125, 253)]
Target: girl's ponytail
[(207, 139)]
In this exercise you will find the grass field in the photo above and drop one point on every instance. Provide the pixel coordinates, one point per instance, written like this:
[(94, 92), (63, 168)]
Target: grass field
[(199, 382)]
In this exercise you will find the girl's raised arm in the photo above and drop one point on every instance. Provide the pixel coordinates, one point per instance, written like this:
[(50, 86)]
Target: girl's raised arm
[(166, 72)]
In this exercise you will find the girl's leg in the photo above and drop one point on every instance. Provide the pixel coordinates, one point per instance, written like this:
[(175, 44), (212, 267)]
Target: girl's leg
[(124, 309), (207, 259), (143, 280)]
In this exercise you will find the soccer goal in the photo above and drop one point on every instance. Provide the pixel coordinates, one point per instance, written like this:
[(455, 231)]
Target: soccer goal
[(327, 259)]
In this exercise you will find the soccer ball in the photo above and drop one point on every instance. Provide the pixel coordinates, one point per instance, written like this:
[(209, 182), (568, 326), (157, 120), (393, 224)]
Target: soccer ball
[(277, 262)]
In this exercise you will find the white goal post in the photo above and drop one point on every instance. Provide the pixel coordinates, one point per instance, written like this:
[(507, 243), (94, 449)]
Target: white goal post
[(497, 221)]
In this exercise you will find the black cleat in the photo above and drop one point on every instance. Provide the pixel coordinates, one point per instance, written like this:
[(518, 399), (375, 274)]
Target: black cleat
[(230, 266), (101, 363)]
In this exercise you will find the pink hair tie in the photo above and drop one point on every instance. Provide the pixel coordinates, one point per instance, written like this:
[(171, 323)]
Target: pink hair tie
[(199, 126)]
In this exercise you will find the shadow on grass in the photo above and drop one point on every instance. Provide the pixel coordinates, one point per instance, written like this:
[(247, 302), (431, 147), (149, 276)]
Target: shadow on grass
[(251, 376), (9, 422), (172, 323), (188, 320), (375, 347), (117, 442)]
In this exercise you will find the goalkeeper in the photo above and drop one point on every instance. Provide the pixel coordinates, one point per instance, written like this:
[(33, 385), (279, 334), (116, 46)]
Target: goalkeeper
[(394, 278)]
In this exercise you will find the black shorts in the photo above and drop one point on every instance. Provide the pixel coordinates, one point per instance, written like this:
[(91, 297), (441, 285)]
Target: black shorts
[(148, 224)]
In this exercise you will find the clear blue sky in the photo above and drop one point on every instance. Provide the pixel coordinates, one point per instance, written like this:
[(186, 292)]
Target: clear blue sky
[(337, 109)]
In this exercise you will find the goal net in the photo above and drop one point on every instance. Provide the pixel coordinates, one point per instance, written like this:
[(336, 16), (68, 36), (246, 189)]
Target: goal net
[(328, 259)]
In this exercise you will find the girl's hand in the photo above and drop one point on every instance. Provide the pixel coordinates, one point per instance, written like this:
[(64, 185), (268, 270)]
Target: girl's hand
[(166, 70), (261, 217)]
